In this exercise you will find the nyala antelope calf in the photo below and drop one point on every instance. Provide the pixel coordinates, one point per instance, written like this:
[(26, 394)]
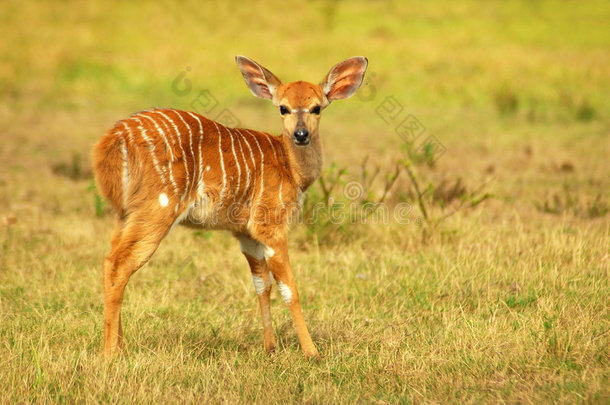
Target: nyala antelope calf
[(165, 167)]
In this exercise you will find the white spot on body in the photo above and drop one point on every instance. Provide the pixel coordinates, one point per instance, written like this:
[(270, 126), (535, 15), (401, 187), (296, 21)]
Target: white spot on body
[(255, 249), (163, 200), (268, 252), (251, 247), (207, 168), (285, 292), (259, 284)]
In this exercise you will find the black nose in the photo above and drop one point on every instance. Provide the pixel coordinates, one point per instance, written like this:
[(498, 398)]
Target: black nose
[(301, 135)]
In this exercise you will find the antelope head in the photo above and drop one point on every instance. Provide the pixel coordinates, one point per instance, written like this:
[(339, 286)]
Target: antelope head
[(301, 103)]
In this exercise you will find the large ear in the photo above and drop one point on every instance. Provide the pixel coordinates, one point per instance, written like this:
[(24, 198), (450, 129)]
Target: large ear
[(262, 83), (344, 78)]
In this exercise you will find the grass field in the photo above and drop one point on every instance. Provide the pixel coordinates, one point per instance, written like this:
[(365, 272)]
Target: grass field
[(504, 301)]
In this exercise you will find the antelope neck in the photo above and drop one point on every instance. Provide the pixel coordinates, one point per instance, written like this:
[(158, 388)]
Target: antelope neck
[(304, 162)]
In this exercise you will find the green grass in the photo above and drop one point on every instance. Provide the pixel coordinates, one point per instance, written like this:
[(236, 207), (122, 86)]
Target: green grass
[(505, 302)]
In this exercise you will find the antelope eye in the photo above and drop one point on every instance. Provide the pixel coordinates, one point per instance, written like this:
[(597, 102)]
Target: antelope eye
[(315, 110), (284, 110)]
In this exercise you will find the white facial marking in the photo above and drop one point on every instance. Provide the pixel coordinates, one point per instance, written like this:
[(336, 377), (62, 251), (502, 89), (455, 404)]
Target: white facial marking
[(163, 200), (259, 284), (285, 291), (268, 252)]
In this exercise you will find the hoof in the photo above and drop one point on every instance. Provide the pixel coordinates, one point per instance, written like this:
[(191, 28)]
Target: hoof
[(313, 355)]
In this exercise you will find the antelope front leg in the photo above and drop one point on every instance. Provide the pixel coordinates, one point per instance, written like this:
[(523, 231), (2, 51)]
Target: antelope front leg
[(262, 284), (279, 265)]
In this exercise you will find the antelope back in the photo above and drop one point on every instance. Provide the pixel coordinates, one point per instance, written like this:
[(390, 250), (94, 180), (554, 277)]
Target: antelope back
[(179, 163)]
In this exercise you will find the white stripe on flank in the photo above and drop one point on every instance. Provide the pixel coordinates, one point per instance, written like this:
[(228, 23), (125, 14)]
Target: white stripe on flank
[(200, 177), (237, 163), (260, 192), (251, 154), (186, 169), (222, 166), (272, 147), (268, 251), (277, 160), (241, 149), (129, 134), (151, 148), (191, 147), (125, 171), (169, 148)]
